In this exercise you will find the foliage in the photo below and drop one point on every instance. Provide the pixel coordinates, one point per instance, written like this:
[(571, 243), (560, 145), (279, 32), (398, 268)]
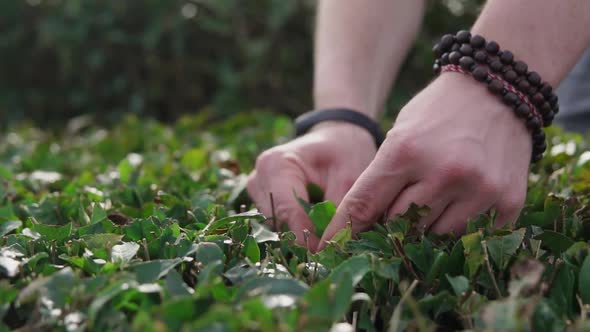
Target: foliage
[(146, 227), (61, 58)]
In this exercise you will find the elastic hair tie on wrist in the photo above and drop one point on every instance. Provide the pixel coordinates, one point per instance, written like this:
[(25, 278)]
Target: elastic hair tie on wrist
[(304, 122)]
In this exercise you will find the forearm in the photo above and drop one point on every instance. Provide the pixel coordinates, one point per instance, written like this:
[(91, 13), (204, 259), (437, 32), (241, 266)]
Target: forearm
[(548, 35), (360, 46)]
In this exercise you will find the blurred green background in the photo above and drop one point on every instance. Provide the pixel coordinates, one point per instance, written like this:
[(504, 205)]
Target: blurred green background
[(63, 58)]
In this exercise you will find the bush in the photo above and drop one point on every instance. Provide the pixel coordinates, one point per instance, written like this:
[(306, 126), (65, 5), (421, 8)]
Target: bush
[(138, 227), (61, 58)]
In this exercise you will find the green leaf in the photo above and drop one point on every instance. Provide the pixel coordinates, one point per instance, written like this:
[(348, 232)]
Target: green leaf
[(320, 215), (219, 223), (152, 271), (251, 249), (194, 159), (473, 251), (98, 214), (208, 252), (503, 248), (356, 267), (584, 281), (262, 234), (9, 226), (53, 233), (123, 253), (460, 284), (556, 242)]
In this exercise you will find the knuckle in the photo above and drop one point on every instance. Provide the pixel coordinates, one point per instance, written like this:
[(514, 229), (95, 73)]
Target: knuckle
[(268, 158), (404, 146), (456, 171), (359, 211), (513, 204)]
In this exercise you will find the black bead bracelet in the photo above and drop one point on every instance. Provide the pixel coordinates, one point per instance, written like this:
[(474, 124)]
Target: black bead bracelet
[(531, 99)]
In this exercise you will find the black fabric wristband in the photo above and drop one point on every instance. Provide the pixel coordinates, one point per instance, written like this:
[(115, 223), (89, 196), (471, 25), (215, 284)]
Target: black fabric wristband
[(307, 120)]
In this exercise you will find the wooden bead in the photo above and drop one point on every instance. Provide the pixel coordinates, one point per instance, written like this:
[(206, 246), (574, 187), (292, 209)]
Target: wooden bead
[(492, 47), (495, 86), (437, 51), (547, 118), (553, 100), (523, 111), (480, 73), (480, 56), (545, 108), (463, 36), (556, 109), (534, 78), (454, 57), (466, 49), (436, 68), (536, 157), (532, 91), (533, 123), (466, 62), (509, 98), (455, 47), (507, 57), (510, 76), (538, 99), (444, 59), (446, 42), (496, 66), (539, 135), (540, 146), (546, 89), (520, 67), (478, 41), (523, 85)]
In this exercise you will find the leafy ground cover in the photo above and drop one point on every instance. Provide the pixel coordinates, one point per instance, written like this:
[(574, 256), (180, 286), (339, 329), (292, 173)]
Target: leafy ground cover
[(144, 226)]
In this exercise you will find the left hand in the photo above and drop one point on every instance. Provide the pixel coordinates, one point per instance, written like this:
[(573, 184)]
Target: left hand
[(454, 147)]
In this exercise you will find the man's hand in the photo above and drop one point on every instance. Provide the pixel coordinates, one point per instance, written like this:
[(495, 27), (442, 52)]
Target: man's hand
[(455, 148), (332, 155)]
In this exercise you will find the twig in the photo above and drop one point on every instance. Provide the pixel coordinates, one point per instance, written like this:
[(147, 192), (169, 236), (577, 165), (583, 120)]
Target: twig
[(146, 252), (399, 249), (490, 271), (274, 217), (395, 318)]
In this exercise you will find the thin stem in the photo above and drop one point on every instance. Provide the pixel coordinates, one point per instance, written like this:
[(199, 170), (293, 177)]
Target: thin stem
[(489, 268), (395, 318)]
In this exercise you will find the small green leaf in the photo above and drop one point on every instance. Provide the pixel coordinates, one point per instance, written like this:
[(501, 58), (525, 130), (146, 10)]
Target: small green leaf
[(503, 248), (9, 226), (251, 249), (194, 159), (152, 271), (473, 252), (584, 281), (98, 214), (53, 233), (262, 234), (320, 215), (460, 284), (208, 252), (556, 242), (123, 253)]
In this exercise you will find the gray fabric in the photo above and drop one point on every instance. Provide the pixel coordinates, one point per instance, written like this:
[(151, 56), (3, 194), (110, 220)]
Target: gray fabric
[(574, 97)]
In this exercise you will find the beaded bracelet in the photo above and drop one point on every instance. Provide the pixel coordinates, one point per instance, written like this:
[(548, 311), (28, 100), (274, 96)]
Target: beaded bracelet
[(523, 90)]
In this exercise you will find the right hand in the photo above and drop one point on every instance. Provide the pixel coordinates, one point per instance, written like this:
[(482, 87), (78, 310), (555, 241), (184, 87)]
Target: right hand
[(332, 155)]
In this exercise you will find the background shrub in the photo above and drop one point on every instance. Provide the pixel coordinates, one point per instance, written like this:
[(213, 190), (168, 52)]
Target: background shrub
[(61, 58)]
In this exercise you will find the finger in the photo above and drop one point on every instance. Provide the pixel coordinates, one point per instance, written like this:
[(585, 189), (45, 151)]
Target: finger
[(421, 194), (509, 209), (369, 197), (283, 181), (337, 187), (454, 218)]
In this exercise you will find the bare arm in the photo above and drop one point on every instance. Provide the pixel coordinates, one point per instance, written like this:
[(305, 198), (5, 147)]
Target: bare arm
[(548, 35), (455, 147), (359, 48)]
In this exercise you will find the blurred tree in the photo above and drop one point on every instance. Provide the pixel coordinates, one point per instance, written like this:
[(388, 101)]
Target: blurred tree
[(61, 58)]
